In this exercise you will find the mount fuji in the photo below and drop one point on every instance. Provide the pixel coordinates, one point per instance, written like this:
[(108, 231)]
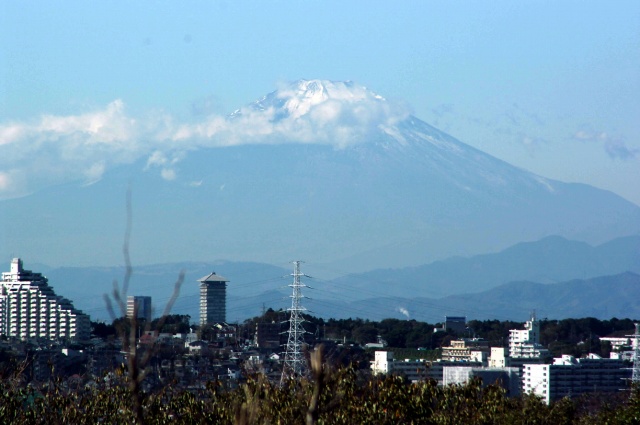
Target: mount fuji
[(328, 172)]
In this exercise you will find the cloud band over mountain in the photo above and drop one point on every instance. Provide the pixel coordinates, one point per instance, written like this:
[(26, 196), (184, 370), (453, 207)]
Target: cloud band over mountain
[(57, 149)]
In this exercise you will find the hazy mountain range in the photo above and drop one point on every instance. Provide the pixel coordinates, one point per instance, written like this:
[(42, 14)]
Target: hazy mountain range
[(550, 260), (327, 172), (602, 297), (495, 285)]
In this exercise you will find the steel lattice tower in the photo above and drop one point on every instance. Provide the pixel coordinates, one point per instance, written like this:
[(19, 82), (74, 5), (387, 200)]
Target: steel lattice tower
[(294, 362), (635, 376)]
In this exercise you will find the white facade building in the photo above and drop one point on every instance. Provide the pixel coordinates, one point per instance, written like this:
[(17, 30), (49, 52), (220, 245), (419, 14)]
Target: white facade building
[(619, 343), (29, 308), (507, 377), (526, 343), (382, 363), (568, 376), (499, 357), (413, 370)]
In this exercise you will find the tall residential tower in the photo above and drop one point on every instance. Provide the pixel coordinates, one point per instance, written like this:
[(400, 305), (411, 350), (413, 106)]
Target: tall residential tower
[(213, 299)]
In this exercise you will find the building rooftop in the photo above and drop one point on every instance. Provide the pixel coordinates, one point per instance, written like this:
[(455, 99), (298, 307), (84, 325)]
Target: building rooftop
[(213, 277)]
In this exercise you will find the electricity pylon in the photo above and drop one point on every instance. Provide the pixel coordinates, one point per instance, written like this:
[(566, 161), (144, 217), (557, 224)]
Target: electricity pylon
[(294, 362)]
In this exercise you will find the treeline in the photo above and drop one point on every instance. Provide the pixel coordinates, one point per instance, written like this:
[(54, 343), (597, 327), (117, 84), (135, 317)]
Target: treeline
[(328, 397), (172, 323), (397, 333), (566, 336)]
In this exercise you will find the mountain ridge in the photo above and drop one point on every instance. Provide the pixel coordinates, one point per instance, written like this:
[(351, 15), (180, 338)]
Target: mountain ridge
[(249, 280), (602, 297), (548, 260), (353, 181)]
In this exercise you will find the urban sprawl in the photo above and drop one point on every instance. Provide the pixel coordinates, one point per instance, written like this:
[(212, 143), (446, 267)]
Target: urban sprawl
[(52, 339)]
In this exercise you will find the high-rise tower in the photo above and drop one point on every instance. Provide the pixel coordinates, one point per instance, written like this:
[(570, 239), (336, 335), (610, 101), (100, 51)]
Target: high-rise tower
[(140, 306), (213, 299)]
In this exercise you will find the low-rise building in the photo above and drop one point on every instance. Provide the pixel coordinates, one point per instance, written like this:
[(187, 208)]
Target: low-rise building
[(466, 350), (268, 335), (385, 364), (568, 377), (525, 343), (413, 370), (500, 358), (507, 377), (619, 343)]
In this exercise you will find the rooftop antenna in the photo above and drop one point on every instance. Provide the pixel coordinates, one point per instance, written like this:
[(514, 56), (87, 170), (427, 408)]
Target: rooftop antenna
[(294, 362)]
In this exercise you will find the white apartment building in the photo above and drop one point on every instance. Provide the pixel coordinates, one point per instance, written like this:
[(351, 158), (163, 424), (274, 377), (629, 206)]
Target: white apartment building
[(568, 376), (385, 364), (526, 343), (507, 377), (413, 370), (619, 343), (29, 308)]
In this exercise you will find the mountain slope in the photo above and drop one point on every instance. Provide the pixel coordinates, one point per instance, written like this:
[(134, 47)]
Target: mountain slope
[(322, 171)]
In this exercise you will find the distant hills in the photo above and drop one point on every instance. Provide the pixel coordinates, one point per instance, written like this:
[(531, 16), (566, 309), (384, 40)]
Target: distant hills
[(601, 297), (555, 276), (549, 260)]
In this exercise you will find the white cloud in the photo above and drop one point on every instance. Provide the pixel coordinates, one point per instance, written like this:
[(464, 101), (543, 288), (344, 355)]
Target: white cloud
[(55, 149), (614, 146), (10, 133), (313, 111), (617, 149), (94, 172), (12, 183), (5, 181), (168, 174), (156, 158), (82, 147)]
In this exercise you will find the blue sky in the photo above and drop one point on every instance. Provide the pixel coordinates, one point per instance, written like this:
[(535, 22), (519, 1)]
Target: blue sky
[(552, 87)]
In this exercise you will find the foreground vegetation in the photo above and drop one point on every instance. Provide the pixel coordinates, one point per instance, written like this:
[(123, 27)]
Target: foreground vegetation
[(328, 397)]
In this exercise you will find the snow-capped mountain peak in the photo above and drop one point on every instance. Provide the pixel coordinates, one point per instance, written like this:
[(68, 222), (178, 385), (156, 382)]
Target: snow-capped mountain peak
[(303, 96)]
